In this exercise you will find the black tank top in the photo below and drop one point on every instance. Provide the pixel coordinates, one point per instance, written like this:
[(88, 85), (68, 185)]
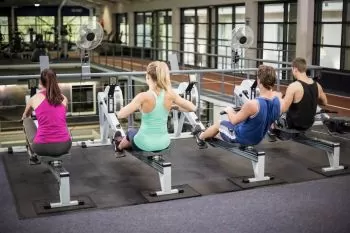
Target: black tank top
[(301, 115)]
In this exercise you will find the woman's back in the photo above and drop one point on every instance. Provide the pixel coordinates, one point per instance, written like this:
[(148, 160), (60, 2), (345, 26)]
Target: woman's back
[(153, 133), (52, 126)]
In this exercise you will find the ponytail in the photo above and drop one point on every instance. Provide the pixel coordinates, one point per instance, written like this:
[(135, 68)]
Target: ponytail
[(53, 92), (159, 72)]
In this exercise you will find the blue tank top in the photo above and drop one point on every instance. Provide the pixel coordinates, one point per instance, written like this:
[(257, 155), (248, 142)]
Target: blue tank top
[(253, 130)]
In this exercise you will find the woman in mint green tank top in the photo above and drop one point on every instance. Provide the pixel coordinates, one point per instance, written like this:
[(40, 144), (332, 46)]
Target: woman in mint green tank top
[(154, 106)]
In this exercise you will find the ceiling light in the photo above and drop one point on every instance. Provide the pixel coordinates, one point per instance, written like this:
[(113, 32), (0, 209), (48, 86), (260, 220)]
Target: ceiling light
[(36, 4)]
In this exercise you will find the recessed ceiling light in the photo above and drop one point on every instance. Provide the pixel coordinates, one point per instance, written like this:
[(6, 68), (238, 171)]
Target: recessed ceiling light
[(36, 4)]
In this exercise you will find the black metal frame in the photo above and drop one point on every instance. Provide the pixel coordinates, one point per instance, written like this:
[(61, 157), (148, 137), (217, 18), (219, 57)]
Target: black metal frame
[(8, 28), (155, 31), (318, 33), (261, 22), (209, 21), (217, 23), (118, 27)]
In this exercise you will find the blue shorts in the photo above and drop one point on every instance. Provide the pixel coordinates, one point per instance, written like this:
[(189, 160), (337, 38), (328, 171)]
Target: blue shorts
[(227, 131), (130, 134)]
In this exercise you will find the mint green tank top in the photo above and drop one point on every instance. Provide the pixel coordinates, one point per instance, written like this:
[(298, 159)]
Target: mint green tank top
[(153, 133)]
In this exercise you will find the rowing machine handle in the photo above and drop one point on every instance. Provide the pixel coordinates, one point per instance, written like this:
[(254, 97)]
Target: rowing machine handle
[(236, 109), (325, 111)]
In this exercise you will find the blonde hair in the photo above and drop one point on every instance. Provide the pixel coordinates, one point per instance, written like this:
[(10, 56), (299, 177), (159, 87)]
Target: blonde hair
[(159, 73)]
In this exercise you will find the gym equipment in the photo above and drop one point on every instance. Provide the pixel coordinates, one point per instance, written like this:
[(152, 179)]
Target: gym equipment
[(242, 37), (332, 149), (339, 125), (55, 165), (110, 101), (40, 48), (245, 91), (90, 37)]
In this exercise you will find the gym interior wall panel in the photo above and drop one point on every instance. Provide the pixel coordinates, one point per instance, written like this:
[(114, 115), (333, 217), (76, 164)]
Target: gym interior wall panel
[(51, 11)]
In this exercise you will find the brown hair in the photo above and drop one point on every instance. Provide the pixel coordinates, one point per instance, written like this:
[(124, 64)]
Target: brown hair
[(300, 64), (267, 76), (159, 73), (53, 92)]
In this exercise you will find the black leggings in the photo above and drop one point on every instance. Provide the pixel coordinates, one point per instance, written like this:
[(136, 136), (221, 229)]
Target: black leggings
[(43, 149)]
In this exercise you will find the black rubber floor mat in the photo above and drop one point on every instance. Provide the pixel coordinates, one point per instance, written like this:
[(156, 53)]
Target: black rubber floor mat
[(242, 182), (41, 206), (185, 191), (319, 170)]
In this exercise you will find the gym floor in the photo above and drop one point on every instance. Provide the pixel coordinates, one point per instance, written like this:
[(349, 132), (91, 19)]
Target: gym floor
[(304, 201)]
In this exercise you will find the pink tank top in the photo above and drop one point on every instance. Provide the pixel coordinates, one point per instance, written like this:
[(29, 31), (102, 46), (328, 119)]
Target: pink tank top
[(52, 125)]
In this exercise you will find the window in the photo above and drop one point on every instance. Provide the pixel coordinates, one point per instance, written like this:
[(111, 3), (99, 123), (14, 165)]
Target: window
[(332, 34), (277, 33), (162, 28), (195, 35), (83, 99), (73, 24), (227, 18), (36, 25), (143, 33), (4, 29), (122, 29)]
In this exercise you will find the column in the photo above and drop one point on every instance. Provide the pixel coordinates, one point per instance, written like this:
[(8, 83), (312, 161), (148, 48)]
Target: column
[(131, 22), (251, 15), (305, 29), (175, 22)]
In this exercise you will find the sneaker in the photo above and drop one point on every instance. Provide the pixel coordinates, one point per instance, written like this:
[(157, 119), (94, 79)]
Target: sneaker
[(34, 160), (117, 139), (200, 142), (271, 137)]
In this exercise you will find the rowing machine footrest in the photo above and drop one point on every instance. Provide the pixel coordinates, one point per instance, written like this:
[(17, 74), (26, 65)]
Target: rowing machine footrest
[(285, 134)]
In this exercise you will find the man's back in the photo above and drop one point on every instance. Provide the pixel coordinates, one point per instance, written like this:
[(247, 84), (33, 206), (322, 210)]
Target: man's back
[(302, 110), (253, 129)]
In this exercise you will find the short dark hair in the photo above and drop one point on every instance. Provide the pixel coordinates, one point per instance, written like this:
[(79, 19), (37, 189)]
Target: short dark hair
[(267, 76), (300, 64)]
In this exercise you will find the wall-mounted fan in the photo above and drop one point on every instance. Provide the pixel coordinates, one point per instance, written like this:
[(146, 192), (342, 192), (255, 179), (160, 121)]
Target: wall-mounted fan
[(242, 37), (90, 36)]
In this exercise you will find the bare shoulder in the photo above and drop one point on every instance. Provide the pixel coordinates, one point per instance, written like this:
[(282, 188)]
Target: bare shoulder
[(319, 86), (294, 86), (170, 94), (252, 105)]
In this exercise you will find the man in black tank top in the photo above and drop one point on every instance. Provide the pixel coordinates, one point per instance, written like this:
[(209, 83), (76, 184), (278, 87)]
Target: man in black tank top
[(302, 97)]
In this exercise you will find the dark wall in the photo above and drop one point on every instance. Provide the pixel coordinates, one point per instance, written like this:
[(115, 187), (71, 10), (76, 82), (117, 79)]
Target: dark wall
[(336, 82), (5, 11), (51, 11)]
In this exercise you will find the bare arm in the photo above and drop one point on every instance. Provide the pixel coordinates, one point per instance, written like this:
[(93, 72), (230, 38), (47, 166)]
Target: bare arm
[(65, 102), (28, 109), (183, 104), (288, 97), (248, 109), (133, 106), (321, 96)]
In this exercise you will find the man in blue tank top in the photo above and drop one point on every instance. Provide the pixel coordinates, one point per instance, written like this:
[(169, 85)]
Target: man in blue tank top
[(249, 125)]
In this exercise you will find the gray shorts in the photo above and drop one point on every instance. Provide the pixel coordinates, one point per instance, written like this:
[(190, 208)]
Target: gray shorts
[(43, 149)]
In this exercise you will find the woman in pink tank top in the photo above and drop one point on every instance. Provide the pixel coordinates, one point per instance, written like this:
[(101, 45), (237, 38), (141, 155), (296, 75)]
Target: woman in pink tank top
[(52, 137)]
